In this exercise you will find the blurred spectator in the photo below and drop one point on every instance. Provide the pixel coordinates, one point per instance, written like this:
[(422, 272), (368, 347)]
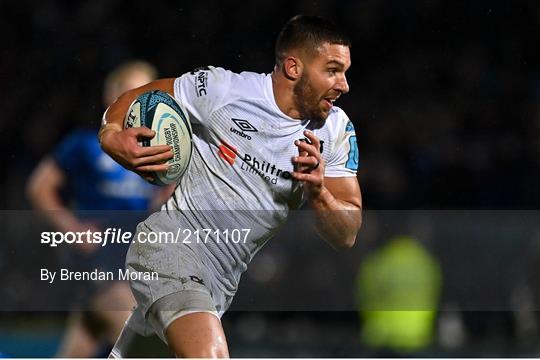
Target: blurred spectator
[(398, 290)]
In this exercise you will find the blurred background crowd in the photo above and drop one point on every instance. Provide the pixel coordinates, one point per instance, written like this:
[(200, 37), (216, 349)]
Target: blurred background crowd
[(445, 99)]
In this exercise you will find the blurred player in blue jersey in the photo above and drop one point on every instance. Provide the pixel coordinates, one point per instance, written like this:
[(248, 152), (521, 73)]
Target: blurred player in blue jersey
[(93, 181)]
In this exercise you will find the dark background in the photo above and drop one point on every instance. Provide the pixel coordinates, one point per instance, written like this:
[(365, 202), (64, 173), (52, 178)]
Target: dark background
[(444, 97), (444, 94)]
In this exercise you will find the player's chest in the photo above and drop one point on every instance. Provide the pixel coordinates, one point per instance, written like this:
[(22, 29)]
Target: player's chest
[(256, 132)]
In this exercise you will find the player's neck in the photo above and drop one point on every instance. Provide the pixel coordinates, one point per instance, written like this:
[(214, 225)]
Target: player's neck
[(284, 95)]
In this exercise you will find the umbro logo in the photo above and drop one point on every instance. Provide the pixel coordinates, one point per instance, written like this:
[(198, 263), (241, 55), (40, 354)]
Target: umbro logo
[(244, 127)]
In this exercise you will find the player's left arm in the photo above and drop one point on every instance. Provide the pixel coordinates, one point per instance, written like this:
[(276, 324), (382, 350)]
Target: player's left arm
[(336, 201)]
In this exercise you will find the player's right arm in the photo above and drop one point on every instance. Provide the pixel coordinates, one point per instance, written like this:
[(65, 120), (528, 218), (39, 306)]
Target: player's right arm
[(43, 191), (122, 145)]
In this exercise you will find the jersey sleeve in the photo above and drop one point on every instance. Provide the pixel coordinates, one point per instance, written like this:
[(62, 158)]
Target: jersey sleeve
[(343, 161), (68, 151), (202, 91)]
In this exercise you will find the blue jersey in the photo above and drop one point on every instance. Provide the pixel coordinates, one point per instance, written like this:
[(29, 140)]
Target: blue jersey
[(95, 180)]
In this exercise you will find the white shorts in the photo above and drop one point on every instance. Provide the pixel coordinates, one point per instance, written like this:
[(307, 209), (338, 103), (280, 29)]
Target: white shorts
[(177, 267), (182, 285), (159, 317), (171, 307)]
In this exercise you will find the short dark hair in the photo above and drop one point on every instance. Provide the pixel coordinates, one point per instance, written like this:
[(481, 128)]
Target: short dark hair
[(308, 32)]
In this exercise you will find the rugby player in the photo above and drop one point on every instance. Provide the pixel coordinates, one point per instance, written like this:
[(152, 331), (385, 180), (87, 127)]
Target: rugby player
[(261, 142)]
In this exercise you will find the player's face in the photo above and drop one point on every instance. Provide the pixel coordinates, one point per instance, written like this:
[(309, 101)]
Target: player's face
[(322, 82)]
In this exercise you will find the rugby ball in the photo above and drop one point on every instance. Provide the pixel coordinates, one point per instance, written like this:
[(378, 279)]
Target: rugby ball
[(160, 112)]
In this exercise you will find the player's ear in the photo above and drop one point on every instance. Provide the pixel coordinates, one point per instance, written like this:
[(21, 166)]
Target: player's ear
[(293, 67)]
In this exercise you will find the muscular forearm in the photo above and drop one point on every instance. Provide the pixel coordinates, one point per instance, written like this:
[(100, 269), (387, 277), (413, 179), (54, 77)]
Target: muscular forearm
[(43, 191), (337, 221), (113, 119), (49, 203), (123, 145), (62, 219)]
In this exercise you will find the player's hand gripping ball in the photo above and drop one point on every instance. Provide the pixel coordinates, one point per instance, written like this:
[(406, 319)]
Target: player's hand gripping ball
[(161, 113)]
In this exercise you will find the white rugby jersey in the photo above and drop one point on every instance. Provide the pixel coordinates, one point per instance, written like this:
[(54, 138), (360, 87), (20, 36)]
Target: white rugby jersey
[(240, 174)]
